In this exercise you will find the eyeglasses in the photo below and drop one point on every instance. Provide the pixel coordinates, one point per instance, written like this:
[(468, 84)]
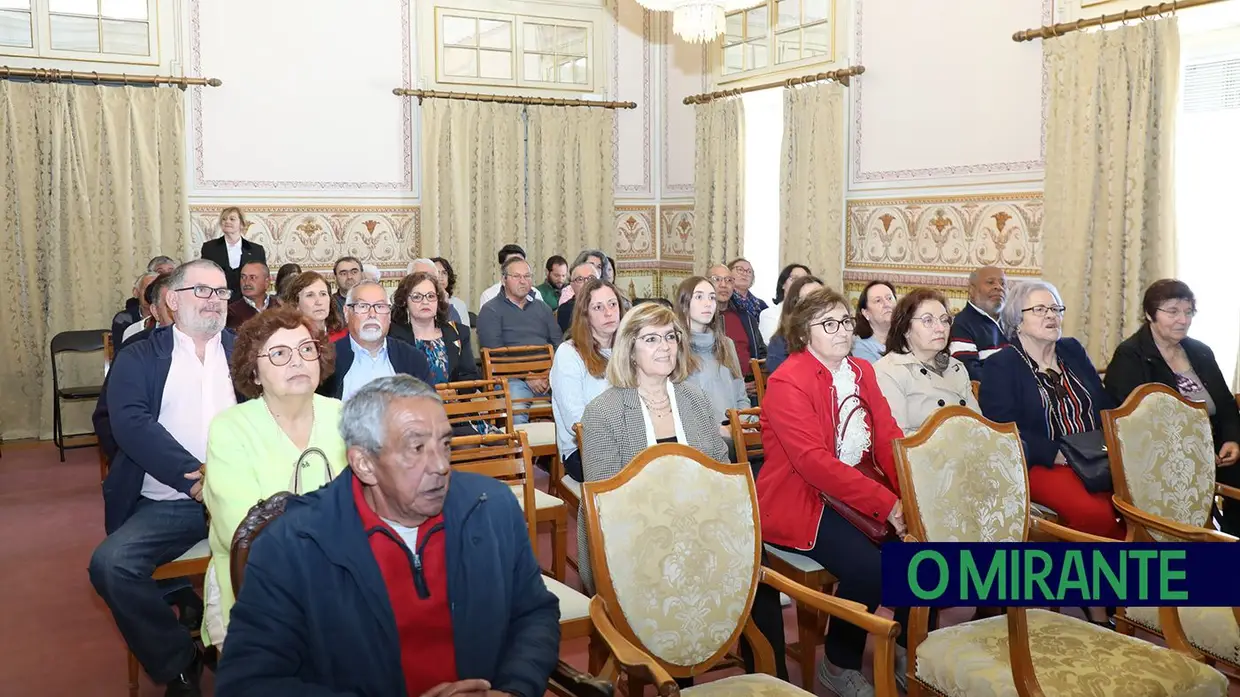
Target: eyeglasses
[(1176, 313), (281, 355), (832, 326), (742, 270), (520, 276), (206, 292), (722, 279), (363, 308), (653, 340), (928, 321), (578, 280), (1041, 310), (423, 297)]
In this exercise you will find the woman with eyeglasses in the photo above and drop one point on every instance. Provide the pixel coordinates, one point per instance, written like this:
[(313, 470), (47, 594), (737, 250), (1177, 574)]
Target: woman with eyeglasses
[(713, 365), (310, 293), (917, 375), (420, 319), (1162, 352), (828, 489), (283, 438), (1046, 385)]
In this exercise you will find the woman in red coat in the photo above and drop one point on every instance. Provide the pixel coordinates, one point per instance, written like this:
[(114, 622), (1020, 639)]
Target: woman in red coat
[(827, 432)]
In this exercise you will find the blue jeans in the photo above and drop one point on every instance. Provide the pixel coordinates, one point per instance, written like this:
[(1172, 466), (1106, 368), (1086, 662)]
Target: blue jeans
[(121, 568), (518, 389)]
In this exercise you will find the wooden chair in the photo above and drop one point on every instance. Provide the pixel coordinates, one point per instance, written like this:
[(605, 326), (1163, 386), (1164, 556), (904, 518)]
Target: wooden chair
[(811, 626), (640, 607), (963, 478), (1162, 469), (758, 367), (109, 352), (977, 388), (565, 680), (523, 363), (192, 564)]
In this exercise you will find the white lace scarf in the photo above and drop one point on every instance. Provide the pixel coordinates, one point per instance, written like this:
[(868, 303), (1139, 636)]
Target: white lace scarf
[(852, 444)]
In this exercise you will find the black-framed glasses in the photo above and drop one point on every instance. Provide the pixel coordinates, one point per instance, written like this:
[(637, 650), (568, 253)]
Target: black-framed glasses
[(653, 340), (578, 280), (281, 355), (1041, 310), (205, 292), (363, 308), (423, 297), (928, 320), (831, 326)]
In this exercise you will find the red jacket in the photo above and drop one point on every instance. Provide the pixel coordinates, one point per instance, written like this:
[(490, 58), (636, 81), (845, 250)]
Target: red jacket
[(798, 434)]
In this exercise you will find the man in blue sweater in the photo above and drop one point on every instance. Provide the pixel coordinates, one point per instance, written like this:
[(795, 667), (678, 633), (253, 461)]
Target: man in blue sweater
[(347, 592), (976, 334)]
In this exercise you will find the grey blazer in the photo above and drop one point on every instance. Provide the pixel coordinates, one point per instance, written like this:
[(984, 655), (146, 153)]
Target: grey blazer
[(614, 432)]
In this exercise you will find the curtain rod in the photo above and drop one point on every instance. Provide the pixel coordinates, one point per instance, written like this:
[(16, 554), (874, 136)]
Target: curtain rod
[(57, 75), (509, 99), (842, 76), (1053, 30)]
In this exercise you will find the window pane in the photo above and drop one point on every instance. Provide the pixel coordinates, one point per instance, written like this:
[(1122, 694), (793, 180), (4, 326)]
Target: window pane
[(788, 13), (460, 62), (755, 54), (757, 21), (539, 67), (564, 69), (459, 31), (571, 40), (496, 65), (539, 38), (788, 47), (124, 9), (816, 40), (14, 4), (581, 71), (75, 33), (15, 29), (125, 37), (733, 59), (816, 10), (495, 34), (76, 7), (735, 32)]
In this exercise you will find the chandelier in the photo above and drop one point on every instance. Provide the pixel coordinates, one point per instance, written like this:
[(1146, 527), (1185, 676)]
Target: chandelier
[(698, 21)]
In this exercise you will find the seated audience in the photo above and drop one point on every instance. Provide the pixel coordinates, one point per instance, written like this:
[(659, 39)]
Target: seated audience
[(310, 293), (740, 326), (284, 438), (713, 365), (348, 273), (151, 287), (976, 334), (284, 276), (777, 352), (517, 318), (347, 592), (580, 274), (768, 321), (917, 375), (366, 354), (420, 318), (1048, 387), (255, 279), (873, 318), (827, 432), (557, 277), (231, 251), (428, 266), (508, 251), (447, 281), (161, 265), (162, 394), (371, 273), (742, 281), (1161, 351), (579, 371), (602, 264), (133, 312)]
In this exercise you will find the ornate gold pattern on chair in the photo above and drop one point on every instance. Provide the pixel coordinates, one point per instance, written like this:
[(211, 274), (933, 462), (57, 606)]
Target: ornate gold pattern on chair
[(1212, 630), (1072, 658), (1162, 455)]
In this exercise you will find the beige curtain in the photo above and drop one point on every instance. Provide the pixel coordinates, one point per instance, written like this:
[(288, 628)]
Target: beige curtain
[(1109, 229), (719, 176), (92, 186), (811, 181), (473, 188), (571, 189)]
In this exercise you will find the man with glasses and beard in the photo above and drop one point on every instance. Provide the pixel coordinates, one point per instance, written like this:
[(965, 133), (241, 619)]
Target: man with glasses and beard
[(366, 354), (161, 396)]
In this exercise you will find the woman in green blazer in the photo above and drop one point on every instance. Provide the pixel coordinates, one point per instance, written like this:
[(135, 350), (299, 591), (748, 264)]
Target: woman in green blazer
[(283, 438)]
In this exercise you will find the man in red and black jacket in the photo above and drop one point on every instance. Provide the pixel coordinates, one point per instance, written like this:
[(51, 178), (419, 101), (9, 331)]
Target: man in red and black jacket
[(401, 577)]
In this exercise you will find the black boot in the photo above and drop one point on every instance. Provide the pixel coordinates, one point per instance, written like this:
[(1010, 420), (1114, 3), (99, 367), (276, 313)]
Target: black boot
[(186, 684), (189, 608)]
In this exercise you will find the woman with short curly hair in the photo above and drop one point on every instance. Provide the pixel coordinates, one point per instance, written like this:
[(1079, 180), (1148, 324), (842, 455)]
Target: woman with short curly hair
[(283, 438)]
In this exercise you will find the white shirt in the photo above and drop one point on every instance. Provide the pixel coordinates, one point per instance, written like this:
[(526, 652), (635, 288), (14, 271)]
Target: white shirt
[(234, 253), (409, 535), (365, 368), (194, 393), (133, 329), (768, 322), (462, 310)]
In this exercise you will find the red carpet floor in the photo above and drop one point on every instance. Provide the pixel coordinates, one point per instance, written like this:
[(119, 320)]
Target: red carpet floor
[(58, 638)]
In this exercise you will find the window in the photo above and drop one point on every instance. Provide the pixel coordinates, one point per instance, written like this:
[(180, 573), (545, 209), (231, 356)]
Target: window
[(764, 135), (514, 50), (799, 30), (112, 30)]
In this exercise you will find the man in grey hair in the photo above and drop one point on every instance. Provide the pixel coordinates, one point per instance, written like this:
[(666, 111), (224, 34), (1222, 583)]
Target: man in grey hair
[(976, 334), (347, 591)]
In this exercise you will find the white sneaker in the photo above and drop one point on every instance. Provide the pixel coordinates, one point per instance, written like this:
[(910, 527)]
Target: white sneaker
[(847, 683)]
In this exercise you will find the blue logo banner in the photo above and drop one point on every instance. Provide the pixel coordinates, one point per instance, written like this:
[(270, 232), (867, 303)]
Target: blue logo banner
[(1061, 573)]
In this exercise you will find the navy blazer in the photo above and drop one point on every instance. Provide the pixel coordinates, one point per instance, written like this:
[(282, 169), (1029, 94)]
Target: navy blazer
[(313, 617), (1009, 394), (405, 359), (217, 250), (456, 344), (135, 391)]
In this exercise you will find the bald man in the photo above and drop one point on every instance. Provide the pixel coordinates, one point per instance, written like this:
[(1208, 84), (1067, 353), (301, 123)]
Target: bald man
[(976, 334)]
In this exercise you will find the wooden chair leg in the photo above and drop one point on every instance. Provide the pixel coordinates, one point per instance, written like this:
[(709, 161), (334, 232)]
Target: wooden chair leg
[(808, 636), (559, 543), (133, 675), (597, 654)]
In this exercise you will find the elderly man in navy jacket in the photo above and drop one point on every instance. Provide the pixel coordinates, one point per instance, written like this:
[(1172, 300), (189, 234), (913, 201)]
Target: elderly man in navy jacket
[(399, 578), (367, 352), (161, 396)]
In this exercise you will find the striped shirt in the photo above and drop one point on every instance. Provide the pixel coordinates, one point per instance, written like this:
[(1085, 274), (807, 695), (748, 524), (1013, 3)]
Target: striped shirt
[(1066, 403)]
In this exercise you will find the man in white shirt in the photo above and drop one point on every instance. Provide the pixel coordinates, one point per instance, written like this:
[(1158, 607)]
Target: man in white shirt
[(162, 395), (366, 353), (506, 252)]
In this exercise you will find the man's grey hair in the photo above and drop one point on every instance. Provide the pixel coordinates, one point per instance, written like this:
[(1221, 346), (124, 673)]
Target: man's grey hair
[(352, 295), (142, 277), (585, 255), (372, 272), (588, 265), (159, 261), (179, 274), (364, 415), (1018, 300), (422, 262), (509, 263)]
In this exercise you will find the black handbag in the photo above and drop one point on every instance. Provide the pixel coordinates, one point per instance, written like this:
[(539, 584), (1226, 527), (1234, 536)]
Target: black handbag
[(1086, 454)]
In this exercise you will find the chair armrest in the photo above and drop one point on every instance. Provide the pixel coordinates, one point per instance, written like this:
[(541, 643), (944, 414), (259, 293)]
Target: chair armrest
[(1188, 533), (1230, 492), (567, 681), (1061, 533), (631, 658)]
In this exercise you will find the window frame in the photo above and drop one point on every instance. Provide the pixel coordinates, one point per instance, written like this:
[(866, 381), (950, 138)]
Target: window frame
[(772, 41), (41, 40), (518, 22)]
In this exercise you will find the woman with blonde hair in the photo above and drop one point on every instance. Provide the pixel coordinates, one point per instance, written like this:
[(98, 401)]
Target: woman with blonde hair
[(713, 364), (230, 251)]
